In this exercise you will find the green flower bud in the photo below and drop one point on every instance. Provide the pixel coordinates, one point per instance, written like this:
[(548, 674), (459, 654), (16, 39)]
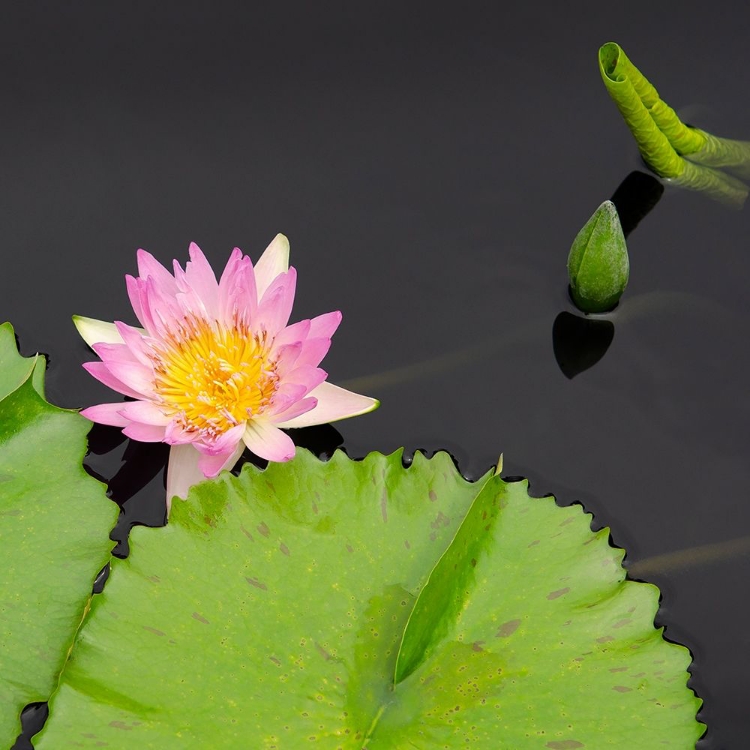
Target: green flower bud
[(598, 265)]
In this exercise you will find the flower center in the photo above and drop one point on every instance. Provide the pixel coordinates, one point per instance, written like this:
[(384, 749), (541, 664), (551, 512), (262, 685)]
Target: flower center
[(212, 378)]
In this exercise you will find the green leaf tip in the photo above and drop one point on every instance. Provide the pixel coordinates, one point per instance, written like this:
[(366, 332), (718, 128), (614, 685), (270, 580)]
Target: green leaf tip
[(598, 264)]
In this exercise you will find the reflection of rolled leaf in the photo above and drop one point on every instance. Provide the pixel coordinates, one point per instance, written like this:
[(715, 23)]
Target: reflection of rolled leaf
[(726, 153), (722, 187)]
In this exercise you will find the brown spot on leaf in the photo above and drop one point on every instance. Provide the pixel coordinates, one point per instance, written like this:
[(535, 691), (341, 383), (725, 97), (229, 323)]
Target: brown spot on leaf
[(200, 618), (534, 543), (384, 506), (507, 628), (406, 544), (440, 520), (247, 533), (322, 652), (284, 549), (619, 669), (275, 661), (154, 579), (120, 725), (263, 529), (620, 623), (567, 521), (349, 548), (605, 639), (153, 630), (433, 496), (622, 689), (558, 593), (258, 585), (564, 744), (477, 646), (473, 562), (210, 521)]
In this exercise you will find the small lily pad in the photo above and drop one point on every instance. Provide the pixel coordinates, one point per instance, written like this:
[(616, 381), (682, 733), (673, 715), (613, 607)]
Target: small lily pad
[(54, 534)]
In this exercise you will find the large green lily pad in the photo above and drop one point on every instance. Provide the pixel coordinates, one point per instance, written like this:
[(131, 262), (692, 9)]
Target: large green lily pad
[(361, 604), (54, 534)]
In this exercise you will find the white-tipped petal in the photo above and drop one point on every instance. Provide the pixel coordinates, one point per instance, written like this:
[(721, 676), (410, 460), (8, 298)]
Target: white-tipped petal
[(334, 403), (275, 260), (182, 472), (97, 331)]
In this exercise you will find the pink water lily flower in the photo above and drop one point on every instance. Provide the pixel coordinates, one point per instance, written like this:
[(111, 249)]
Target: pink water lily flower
[(215, 366)]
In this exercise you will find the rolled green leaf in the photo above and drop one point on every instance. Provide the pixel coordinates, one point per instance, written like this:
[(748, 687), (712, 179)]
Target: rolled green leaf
[(627, 87), (663, 139), (598, 265)]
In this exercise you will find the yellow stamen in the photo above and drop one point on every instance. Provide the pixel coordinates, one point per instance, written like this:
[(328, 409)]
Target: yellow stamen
[(213, 378)]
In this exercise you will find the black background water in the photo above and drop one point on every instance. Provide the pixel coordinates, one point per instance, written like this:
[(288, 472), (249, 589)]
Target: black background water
[(431, 167)]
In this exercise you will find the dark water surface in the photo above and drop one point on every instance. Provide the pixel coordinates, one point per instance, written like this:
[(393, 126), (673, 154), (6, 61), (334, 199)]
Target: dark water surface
[(431, 168)]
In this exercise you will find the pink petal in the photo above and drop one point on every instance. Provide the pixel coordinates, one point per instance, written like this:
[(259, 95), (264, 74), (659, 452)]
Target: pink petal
[(232, 278), (313, 351), (210, 466), (162, 308), (268, 442), (275, 306), (306, 375), (240, 301), (175, 434), (225, 443), (324, 326), (106, 414), (275, 260), (94, 331), (134, 375), (144, 433), (334, 403), (231, 268), (137, 295), (148, 266), (286, 395), (114, 353), (286, 357), (135, 339), (292, 334), (296, 409), (101, 372), (145, 412), (201, 278)]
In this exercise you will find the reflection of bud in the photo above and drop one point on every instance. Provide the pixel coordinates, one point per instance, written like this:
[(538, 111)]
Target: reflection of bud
[(598, 265)]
